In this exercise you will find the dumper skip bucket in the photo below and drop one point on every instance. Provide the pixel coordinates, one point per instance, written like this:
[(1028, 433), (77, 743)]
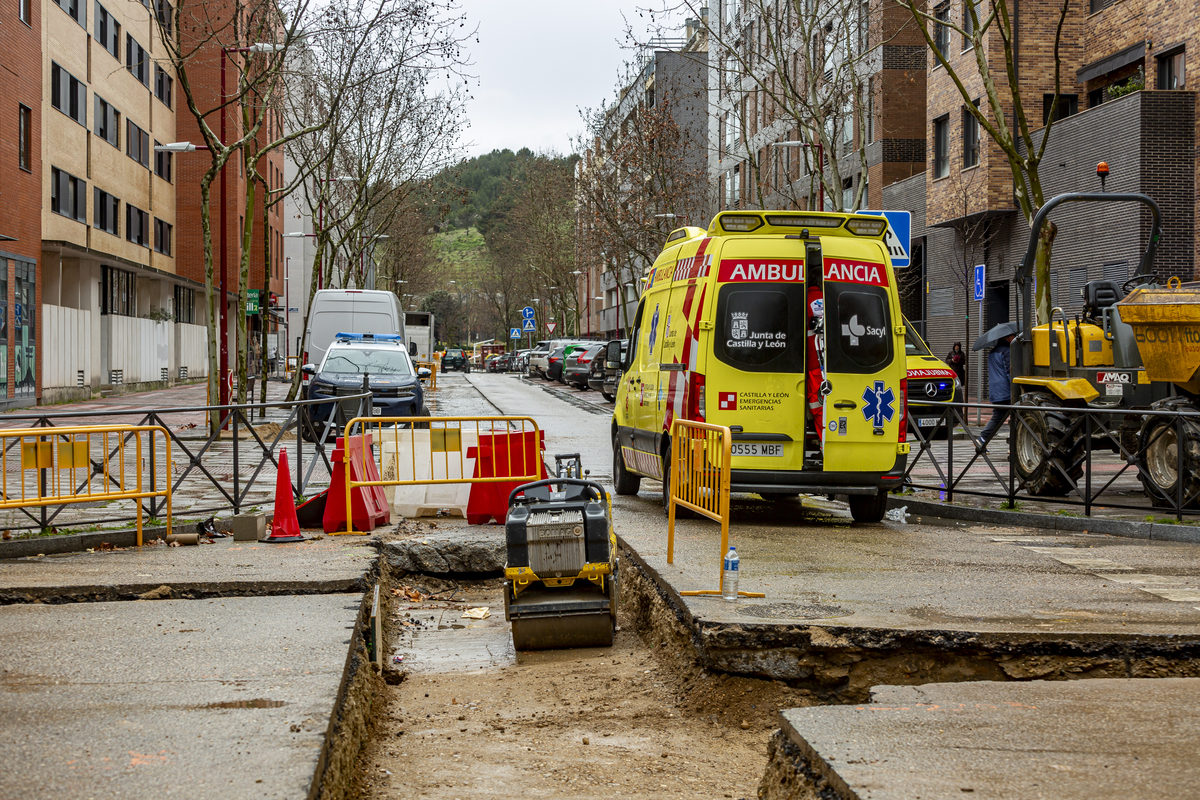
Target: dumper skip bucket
[(1166, 326)]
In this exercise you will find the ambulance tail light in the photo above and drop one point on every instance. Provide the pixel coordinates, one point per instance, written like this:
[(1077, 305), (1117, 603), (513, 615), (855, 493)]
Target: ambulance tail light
[(903, 435), (695, 410)]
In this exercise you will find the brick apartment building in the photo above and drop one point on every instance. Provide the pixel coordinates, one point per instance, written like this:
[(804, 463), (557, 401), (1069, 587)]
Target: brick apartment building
[(1124, 101), (20, 195)]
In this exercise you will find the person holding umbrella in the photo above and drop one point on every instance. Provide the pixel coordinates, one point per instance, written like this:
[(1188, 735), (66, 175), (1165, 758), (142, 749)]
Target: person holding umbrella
[(999, 376)]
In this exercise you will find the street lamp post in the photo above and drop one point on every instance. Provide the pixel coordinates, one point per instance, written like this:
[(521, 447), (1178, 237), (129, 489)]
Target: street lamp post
[(820, 165)]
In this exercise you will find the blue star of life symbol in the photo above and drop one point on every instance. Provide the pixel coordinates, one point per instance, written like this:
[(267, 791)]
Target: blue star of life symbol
[(879, 404)]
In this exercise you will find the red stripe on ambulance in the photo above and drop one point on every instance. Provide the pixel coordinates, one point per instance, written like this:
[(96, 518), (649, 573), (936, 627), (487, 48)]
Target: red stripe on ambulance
[(739, 270), (870, 273)]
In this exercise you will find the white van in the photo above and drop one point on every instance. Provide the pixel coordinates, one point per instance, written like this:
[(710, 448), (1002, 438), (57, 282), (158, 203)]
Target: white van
[(337, 311)]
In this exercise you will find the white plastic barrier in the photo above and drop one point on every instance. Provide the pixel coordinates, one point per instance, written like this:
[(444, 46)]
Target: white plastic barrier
[(440, 454)]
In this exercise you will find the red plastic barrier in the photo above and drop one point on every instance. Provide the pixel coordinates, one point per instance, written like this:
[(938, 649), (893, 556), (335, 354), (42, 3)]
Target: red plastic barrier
[(368, 504), (502, 454)]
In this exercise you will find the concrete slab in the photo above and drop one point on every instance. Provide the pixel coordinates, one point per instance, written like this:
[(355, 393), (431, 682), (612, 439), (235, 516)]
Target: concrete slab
[(339, 563), (217, 698), (1003, 740)]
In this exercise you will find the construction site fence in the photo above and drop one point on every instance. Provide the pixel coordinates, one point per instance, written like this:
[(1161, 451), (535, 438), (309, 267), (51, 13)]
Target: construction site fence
[(1091, 464), (222, 466), (699, 482), (98, 464), (411, 451)]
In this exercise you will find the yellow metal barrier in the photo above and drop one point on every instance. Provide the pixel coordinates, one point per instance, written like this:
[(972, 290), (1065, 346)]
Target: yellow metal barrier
[(700, 462), (85, 464), (437, 450), (433, 371)]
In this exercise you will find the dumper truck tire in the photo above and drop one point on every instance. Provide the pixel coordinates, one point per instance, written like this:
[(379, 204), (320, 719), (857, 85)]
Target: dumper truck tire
[(868, 507), (625, 483), (1037, 432), (1158, 454)]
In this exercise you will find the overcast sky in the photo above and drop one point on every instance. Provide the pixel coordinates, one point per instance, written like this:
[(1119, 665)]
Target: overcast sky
[(538, 63)]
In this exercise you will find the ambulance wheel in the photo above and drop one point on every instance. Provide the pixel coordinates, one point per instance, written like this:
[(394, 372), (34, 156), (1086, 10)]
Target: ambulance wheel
[(868, 507), (1158, 459), (625, 483), (1038, 431)]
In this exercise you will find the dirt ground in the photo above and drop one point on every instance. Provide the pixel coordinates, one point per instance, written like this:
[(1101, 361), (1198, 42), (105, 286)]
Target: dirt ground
[(472, 719)]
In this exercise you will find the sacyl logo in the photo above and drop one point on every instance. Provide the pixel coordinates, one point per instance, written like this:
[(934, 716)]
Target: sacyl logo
[(853, 330)]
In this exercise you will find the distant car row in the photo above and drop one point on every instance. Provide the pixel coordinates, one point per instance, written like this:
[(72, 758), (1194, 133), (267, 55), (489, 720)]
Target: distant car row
[(581, 363)]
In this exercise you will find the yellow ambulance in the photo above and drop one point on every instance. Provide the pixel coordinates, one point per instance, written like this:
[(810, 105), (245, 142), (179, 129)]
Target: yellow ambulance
[(722, 335)]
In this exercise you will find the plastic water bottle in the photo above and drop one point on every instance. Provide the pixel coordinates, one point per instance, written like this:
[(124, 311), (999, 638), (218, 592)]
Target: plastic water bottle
[(729, 585)]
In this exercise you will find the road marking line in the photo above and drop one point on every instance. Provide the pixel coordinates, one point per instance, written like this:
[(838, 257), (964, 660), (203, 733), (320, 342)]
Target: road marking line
[(1137, 577), (1080, 562), (1178, 595)]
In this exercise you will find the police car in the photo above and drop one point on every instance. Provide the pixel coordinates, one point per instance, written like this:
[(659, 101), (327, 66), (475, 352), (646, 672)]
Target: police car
[(394, 383)]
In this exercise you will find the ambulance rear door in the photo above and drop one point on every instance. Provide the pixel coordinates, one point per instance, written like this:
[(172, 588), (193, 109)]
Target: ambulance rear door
[(863, 362), (755, 372)]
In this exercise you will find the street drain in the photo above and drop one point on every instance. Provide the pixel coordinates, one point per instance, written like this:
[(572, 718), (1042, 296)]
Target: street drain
[(793, 611), (247, 704)]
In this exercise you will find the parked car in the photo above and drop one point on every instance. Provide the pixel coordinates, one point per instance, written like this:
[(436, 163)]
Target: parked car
[(539, 359), (395, 387), (571, 349), (455, 358), (554, 363), (579, 365), (520, 361), (606, 371)]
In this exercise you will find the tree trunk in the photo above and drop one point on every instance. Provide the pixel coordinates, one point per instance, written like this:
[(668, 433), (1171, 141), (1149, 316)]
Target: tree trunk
[(243, 342), (263, 306), (210, 301), (1041, 271)]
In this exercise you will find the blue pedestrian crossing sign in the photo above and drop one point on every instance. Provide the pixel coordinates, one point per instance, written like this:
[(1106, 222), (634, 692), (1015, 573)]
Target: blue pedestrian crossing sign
[(527, 312), (528, 325), (514, 333), (898, 237), (980, 281)]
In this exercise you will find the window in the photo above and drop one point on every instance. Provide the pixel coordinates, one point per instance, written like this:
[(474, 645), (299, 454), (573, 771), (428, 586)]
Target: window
[(162, 164), (108, 31), (1096, 97), (104, 211), (108, 122), (847, 194), (25, 11), (941, 147), (162, 237), (1170, 70), (870, 110), (1099, 5), (118, 293), (137, 143), (163, 84), (968, 24), (185, 305), (24, 132), (867, 349), (136, 61), (751, 314), (1068, 104), (68, 94), (942, 32), (166, 16), (137, 226), (76, 9), (68, 195), (737, 186), (970, 127), (25, 325)]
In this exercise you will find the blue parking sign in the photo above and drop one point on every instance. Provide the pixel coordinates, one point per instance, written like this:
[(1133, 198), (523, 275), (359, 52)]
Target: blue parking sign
[(980, 281), (514, 333), (898, 237)]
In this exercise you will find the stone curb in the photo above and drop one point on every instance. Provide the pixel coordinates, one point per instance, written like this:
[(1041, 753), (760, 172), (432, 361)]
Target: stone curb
[(78, 542), (1155, 531)]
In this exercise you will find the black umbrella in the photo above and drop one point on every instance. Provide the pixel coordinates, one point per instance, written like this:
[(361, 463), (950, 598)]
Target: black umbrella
[(994, 335)]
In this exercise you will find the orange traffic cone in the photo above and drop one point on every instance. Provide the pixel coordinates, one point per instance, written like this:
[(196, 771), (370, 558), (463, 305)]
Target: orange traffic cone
[(285, 527)]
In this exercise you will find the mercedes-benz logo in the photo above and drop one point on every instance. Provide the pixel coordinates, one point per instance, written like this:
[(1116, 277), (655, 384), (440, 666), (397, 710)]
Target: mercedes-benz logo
[(931, 389)]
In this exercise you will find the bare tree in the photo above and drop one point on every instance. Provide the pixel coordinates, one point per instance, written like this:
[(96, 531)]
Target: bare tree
[(989, 29)]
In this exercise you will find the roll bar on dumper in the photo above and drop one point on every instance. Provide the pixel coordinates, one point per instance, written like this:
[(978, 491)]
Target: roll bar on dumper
[(1022, 352)]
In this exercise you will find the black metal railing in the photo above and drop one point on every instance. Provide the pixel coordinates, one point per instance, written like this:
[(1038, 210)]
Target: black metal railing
[(310, 422), (1065, 443)]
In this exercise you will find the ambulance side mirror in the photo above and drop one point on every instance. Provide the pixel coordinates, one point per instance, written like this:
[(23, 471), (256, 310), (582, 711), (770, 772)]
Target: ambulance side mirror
[(613, 355)]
